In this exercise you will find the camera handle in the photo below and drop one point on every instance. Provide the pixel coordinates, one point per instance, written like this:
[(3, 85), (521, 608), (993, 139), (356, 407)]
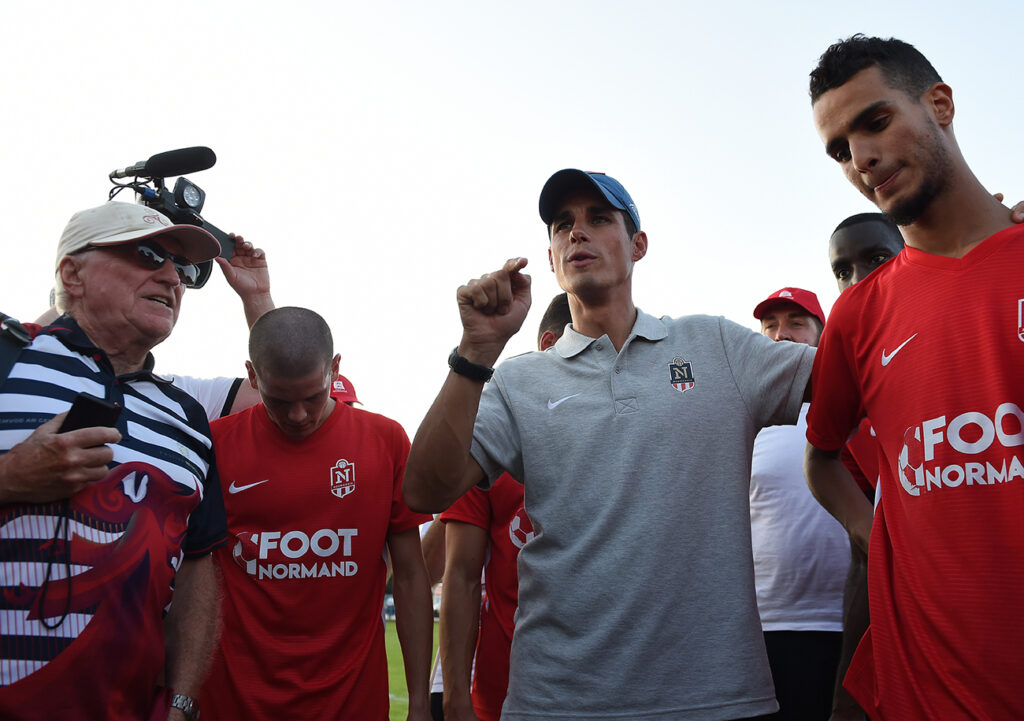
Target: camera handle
[(162, 199)]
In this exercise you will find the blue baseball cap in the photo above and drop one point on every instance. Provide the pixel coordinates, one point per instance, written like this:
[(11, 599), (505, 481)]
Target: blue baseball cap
[(564, 181)]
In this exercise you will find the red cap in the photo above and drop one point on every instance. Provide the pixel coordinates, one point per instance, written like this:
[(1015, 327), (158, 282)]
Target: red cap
[(803, 298), (343, 390)]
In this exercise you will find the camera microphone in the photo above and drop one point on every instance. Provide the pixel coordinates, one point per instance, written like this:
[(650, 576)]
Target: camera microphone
[(170, 163)]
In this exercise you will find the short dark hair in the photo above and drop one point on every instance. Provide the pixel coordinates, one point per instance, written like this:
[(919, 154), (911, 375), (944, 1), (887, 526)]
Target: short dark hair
[(630, 225), (290, 342), (902, 65), (882, 218), (556, 317)]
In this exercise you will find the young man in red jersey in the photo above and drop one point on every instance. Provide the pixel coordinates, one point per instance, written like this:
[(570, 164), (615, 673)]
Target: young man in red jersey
[(927, 347), (314, 496), (858, 246)]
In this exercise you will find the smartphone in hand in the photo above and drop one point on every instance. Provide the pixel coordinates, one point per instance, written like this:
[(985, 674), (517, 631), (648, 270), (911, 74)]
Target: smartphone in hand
[(88, 411)]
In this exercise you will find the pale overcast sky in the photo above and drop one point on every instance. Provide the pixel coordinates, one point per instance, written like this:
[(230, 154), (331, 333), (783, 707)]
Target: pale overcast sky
[(384, 153)]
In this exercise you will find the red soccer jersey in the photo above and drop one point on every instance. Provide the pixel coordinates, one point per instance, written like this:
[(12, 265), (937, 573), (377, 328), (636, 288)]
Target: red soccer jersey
[(931, 348), (304, 573), (500, 512), (860, 456)]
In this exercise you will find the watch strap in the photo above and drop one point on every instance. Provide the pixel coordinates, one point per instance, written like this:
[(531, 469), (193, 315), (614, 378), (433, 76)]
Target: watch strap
[(187, 705), (464, 367)]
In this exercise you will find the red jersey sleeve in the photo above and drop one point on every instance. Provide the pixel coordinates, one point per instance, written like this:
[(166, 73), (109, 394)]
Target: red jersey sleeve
[(836, 401), (860, 456), (473, 507), (851, 465), (402, 518)]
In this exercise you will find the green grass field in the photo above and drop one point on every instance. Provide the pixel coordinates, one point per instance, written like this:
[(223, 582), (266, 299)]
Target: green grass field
[(396, 672)]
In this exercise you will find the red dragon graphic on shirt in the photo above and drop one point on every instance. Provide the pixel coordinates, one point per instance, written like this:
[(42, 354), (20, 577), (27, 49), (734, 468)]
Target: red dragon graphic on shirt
[(126, 534)]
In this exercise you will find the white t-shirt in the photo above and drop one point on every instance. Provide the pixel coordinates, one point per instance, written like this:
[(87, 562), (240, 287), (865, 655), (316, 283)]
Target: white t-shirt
[(212, 393), (801, 553)]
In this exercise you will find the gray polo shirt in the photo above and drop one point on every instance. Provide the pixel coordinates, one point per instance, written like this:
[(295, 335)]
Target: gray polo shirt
[(637, 594)]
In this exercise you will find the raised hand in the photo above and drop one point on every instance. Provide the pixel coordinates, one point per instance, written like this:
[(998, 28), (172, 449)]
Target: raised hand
[(493, 308), (249, 276)]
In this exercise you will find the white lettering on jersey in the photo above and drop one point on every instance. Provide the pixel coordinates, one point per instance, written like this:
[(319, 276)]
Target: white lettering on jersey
[(252, 549), (299, 570), (969, 434)]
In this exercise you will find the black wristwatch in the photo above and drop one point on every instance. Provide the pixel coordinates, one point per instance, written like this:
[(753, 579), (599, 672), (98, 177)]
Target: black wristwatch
[(187, 705), (463, 367)]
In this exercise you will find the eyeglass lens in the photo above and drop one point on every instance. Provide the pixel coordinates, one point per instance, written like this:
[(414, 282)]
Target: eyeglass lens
[(153, 256)]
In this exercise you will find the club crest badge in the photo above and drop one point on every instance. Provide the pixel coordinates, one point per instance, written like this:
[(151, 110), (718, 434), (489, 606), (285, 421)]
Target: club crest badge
[(1020, 319), (343, 478), (680, 374)]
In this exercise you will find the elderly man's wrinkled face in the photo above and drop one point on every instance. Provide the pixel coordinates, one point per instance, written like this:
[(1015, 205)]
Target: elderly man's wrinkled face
[(122, 293)]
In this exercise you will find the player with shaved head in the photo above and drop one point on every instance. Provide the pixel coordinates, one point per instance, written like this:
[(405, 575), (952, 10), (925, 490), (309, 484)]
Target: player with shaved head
[(313, 497)]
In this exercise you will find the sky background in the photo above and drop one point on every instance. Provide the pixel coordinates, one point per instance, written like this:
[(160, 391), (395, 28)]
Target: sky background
[(384, 153)]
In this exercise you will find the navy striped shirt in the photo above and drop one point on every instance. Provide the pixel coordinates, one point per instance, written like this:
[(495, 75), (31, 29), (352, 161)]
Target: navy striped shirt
[(111, 551)]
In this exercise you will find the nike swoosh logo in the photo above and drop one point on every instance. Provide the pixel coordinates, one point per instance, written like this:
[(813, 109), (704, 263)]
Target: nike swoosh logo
[(887, 358), (560, 401), (233, 488)]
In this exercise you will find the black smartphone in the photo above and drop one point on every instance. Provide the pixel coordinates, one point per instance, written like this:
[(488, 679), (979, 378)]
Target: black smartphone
[(88, 411)]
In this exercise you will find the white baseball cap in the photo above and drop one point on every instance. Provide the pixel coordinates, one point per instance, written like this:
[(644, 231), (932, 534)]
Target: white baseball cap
[(116, 222)]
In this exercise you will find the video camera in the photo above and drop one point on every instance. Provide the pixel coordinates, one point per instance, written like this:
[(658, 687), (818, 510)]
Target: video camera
[(182, 204)]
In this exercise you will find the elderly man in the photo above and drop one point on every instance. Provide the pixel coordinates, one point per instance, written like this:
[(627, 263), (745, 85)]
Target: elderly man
[(248, 275), (98, 526)]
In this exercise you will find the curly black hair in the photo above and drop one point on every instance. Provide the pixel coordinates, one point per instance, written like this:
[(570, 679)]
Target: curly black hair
[(903, 66)]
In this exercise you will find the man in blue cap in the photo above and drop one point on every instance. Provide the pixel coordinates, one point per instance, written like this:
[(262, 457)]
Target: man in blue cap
[(632, 437)]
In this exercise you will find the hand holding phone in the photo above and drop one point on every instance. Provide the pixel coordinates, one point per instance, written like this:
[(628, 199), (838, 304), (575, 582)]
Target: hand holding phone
[(88, 411), (46, 467)]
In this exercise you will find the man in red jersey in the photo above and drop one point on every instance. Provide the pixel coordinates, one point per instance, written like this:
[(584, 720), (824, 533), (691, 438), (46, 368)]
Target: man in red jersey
[(941, 390), (858, 246), (313, 491), (484, 531)]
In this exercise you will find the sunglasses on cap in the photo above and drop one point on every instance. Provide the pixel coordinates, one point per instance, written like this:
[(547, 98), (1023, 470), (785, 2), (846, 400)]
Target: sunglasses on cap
[(152, 255)]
